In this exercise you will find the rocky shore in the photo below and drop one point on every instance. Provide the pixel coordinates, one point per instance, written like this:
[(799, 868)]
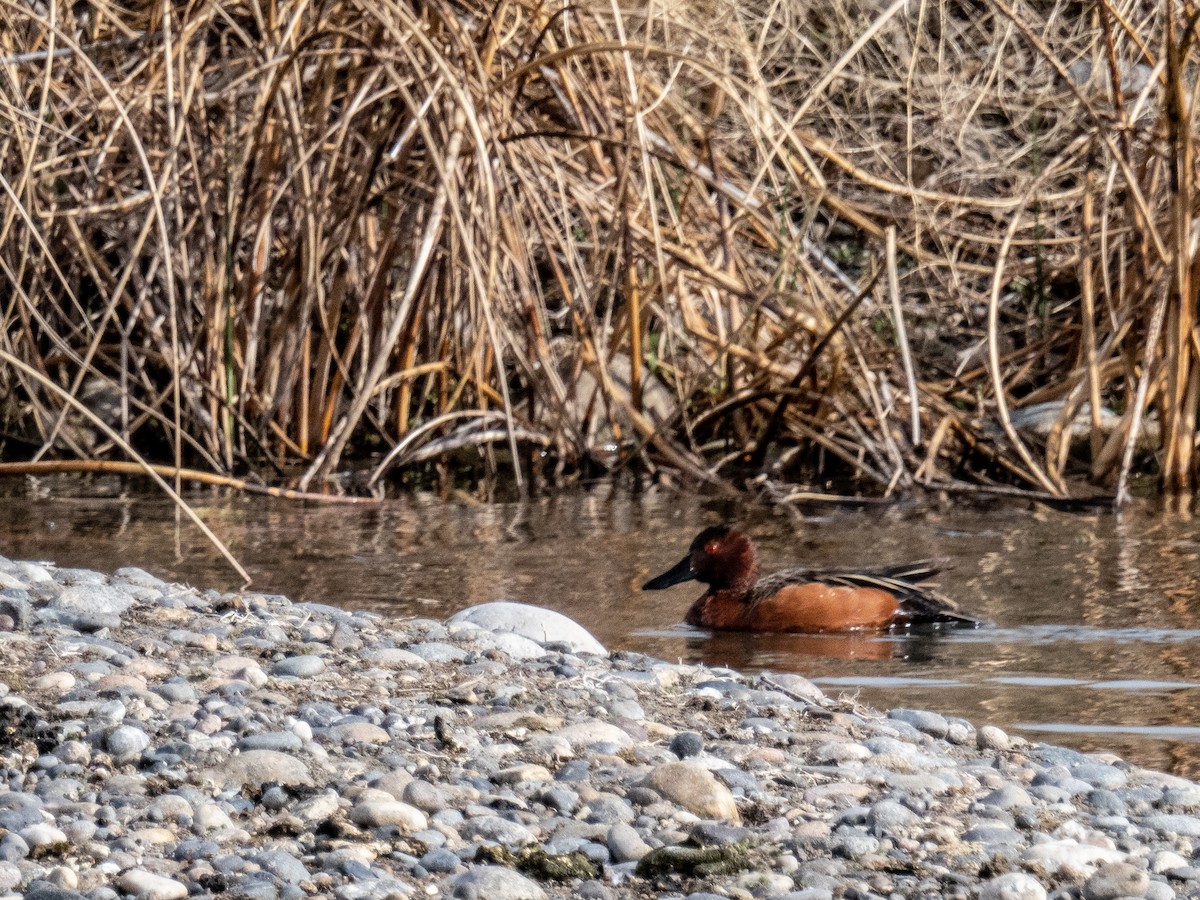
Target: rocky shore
[(165, 742)]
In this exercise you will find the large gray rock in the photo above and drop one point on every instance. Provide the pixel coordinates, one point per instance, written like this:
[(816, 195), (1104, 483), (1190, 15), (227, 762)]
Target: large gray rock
[(92, 599), (542, 625), (695, 789), (495, 883), (15, 605), (255, 768)]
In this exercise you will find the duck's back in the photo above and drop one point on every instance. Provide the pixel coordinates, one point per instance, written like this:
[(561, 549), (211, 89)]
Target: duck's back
[(825, 600)]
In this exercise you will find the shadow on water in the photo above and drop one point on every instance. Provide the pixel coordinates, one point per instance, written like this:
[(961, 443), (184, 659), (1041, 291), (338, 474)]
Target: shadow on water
[(1096, 641)]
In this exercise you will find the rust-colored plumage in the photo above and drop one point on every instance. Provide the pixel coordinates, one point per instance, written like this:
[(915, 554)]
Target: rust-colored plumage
[(801, 600)]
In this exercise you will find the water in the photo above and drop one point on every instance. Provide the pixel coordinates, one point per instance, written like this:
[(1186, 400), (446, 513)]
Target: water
[(1095, 641)]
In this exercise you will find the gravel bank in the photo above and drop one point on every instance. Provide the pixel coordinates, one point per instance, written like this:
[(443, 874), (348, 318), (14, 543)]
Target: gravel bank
[(164, 742)]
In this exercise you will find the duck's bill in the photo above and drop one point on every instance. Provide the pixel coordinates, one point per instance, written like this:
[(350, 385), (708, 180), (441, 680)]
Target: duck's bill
[(681, 572)]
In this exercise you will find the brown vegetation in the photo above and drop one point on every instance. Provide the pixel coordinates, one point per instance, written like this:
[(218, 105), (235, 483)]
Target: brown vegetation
[(849, 243)]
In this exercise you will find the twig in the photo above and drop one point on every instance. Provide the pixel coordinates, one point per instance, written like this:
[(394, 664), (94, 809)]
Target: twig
[(914, 400)]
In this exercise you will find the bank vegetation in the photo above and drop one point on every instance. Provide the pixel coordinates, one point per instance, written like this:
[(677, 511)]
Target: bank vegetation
[(794, 247)]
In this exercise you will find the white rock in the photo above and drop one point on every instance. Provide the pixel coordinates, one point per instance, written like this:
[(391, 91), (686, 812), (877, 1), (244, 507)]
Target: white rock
[(514, 645), (63, 877), (11, 582), (42, 835), (594, 731), (58, 682), (241, 667), (10, 876), (1082, 858), (393, 658), (534, 622), (316, 809), (1012, 886), (388, 812), (145, 884), (209, 818), (30, 572), (1165, 860)]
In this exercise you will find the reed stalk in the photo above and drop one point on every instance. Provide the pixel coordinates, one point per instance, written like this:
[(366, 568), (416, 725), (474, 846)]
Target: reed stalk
[(462, 237)]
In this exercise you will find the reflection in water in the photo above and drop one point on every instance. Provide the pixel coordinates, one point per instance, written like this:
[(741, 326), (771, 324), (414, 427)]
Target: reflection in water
[(1097, 623), (779, 651), (747, 651)]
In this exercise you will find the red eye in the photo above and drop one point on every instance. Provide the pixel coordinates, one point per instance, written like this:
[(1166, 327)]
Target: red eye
[(712, 547)]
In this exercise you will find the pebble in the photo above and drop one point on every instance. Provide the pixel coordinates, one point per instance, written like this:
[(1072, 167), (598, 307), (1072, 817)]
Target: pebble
[(126, 741), (764, 884), (1010, 796), (296, 750), (42, 836), (695, 789), (686, 744), (989, 737), (388, 812), (1113, 880), (147, 885), (424, 796), (625, 843), (1012, 886), (299, 667)]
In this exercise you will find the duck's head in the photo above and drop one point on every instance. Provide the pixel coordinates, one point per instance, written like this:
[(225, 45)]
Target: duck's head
[(720, 557)]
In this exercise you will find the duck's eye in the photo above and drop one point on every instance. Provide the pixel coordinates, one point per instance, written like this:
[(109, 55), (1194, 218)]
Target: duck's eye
[(712, 547)]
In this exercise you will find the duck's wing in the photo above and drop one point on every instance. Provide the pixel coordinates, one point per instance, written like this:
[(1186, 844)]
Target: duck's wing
[(918, 605)]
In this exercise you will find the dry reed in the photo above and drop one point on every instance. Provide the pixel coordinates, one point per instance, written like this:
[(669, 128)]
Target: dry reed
[(273, 238)]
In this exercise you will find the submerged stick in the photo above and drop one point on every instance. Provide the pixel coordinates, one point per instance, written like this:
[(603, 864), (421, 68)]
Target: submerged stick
[(142, 464), (118, 467)]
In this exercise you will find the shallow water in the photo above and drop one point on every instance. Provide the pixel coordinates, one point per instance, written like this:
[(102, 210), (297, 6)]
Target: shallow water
[(1095, 641)]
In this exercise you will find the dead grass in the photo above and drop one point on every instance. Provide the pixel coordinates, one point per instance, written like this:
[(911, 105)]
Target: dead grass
[(791, 242)]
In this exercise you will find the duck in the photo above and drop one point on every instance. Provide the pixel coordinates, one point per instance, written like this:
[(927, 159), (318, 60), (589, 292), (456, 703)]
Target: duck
[(806, 600)]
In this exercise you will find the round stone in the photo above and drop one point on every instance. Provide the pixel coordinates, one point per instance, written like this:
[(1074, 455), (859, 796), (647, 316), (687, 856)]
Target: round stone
[(494, 828), (764, 884), (141, 883), (299, 666), (373, 813), (42, 836), (696, 790), (625, 844), (424, 796), (687, 743), (989, 737), (126, 741), (440, 860)]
